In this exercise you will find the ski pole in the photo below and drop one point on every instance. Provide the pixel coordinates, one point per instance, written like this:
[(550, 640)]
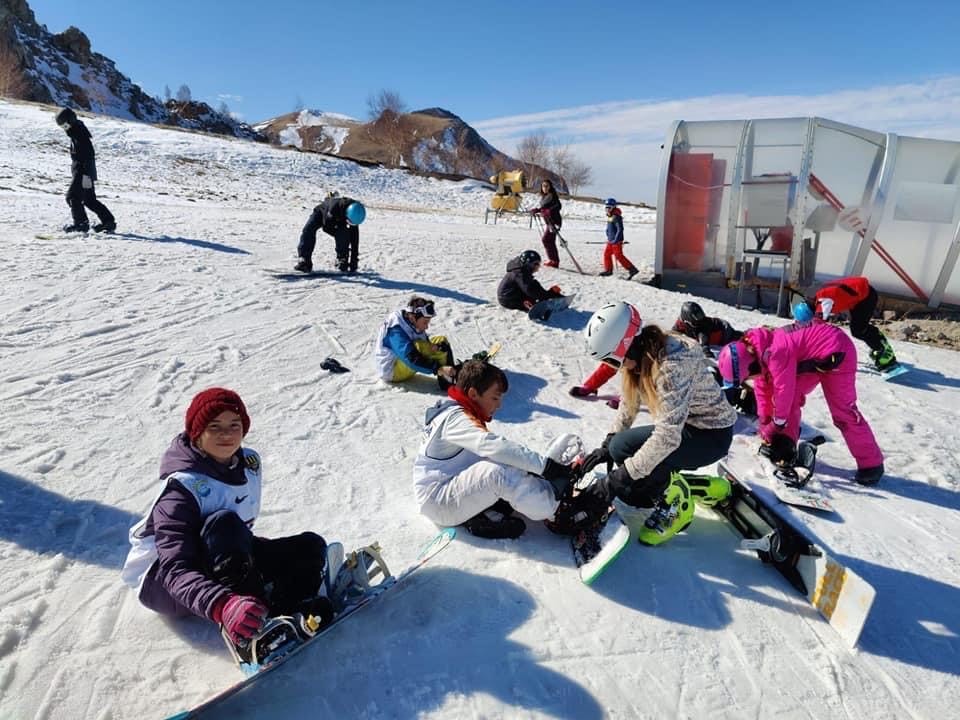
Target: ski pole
[(560, 238)]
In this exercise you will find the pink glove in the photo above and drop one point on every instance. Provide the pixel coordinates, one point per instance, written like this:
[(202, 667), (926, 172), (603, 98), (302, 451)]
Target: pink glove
[(242, 616)]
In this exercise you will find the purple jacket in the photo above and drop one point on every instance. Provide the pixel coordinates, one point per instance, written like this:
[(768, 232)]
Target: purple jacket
[(176, 582)]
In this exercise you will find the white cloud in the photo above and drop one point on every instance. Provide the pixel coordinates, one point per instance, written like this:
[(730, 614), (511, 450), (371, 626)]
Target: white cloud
[(229, 98), (621, 140)]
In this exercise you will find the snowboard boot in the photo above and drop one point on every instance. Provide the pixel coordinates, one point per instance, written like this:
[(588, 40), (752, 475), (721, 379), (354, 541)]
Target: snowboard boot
[(76, 227), (605, 273), (303, 265), (278, 636), (582, 391), (708, 490), (551, 263), (869, 476), (343, 264), (107, 227), (672, 514), (494, 525), (577, 513), (631, 272), (884, 359)]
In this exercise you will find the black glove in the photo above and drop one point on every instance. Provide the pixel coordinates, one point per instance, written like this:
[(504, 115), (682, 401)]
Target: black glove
[(604, 489), (782, 449), (594, 458)]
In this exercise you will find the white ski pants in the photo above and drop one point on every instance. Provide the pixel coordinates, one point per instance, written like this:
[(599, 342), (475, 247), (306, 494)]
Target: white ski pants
[(454, 501)]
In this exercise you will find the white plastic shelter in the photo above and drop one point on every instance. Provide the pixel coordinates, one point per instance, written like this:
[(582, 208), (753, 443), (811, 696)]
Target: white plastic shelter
[(794, 202)]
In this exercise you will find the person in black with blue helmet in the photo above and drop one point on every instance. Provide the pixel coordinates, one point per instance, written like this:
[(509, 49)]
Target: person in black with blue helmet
[(339, 217)]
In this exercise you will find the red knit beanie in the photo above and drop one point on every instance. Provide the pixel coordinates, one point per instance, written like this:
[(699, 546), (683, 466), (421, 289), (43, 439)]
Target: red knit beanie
[(207, 405)]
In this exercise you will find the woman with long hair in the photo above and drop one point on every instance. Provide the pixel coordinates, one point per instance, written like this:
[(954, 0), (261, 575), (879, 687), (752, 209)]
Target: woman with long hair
[(549, 211), (692, 421)]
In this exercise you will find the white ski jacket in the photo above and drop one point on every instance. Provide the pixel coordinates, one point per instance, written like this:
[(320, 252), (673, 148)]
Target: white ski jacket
[(453, 441)]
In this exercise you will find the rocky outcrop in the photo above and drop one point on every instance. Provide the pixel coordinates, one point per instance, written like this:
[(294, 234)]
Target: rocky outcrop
[(63, 69)]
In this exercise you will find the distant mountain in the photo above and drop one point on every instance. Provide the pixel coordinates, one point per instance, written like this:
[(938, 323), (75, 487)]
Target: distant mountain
[(432, 140), (62, 69)]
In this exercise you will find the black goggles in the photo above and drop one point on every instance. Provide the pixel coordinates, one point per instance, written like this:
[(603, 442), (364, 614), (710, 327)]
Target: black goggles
[(427, 310)]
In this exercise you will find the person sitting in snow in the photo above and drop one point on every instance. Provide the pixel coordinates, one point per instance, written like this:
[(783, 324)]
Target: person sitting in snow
[(404, 349), (464, 474), (83, 166), (692, 423), (614, 246), (708, 331), (786, 364), (519, 289), (195, 551), (337, 216)]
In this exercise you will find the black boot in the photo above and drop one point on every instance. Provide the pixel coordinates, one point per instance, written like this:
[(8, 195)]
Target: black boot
[(76, 227), (495, 526), (304, 265)]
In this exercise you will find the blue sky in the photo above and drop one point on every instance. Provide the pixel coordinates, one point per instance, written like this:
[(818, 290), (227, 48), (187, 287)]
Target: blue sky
[(605, 78)]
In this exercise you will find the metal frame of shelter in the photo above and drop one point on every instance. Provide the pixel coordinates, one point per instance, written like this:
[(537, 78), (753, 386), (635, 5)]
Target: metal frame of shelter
[(831, 199)]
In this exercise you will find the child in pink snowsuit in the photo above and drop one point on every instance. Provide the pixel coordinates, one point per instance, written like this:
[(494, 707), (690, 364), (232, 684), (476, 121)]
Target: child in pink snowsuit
[(789, 362)]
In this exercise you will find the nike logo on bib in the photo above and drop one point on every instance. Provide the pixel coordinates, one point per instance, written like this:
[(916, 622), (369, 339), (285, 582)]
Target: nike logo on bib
[(241, 499)]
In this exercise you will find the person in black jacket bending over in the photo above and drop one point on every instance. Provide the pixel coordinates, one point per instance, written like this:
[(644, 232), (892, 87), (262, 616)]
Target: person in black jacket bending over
[(83, 167), (337, 216), (519, 290)]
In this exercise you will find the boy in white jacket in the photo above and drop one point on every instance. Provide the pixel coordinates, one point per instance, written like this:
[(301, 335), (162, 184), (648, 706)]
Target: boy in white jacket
[(465, 474)]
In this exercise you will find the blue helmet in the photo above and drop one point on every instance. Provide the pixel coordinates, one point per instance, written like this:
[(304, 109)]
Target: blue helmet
[(611, 202), (802, 312), (356, 213)]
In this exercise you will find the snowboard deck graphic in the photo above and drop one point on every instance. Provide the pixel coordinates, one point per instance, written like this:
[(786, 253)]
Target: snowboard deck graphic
[(430, 550), (841, 596), (542, 311)]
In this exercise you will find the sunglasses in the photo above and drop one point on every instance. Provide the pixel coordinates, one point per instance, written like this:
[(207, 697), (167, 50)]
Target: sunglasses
[(428, 310)]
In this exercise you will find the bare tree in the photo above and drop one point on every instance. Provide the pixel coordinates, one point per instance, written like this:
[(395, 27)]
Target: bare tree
[(390, 126), (223, 108), (166, 93), (12, 82), (298, 105), (385, 101), (533, 152), (577, 175), (183, 93)]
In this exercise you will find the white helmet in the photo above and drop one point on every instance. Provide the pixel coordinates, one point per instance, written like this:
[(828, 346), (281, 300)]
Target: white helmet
[(611, 330)]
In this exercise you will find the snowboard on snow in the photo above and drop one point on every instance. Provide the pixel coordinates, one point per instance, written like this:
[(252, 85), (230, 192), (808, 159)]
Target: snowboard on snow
[(896, 371), (284, 651), (790, 485), (841, 596), (290, 275), (542, 311)]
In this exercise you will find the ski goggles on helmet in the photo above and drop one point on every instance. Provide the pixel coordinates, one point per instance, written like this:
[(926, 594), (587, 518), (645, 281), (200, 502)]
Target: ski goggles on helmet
[(427, 310)]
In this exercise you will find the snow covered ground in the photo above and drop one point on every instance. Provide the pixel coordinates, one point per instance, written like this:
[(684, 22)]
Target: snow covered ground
[(104, 339)]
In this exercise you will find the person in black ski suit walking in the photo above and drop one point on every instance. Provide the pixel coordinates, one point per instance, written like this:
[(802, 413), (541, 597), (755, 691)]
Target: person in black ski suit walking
[(83, 167), (518, 289), (337, 216)]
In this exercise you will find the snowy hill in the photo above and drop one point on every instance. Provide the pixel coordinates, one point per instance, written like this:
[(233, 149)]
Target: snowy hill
[(62, 69), (104, 339)]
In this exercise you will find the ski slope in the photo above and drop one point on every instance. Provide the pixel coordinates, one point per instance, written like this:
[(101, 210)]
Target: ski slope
[(104, 340)]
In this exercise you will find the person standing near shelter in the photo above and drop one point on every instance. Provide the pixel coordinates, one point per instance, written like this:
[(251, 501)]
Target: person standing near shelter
[(339, 217), (614, 246), (83, 167), (549, 211), (855, 295)]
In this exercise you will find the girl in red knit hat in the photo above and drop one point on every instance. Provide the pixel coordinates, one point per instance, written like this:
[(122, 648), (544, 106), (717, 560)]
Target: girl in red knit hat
[(195, 552)]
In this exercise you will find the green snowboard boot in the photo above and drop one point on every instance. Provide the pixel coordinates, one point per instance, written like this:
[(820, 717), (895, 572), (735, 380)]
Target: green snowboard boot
[(672, 514)]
